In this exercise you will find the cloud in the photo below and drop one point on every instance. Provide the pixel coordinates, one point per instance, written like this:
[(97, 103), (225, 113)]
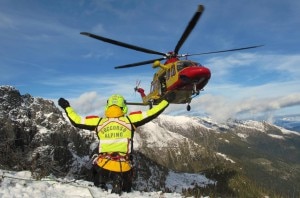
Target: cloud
[(287, 64), (221, 108), (221, 65), (273, 85), (88, 103), (91, 93)]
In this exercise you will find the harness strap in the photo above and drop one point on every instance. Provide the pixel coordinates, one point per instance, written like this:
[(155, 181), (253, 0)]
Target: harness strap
[(132, 133), (120, 163), (97, 127), (114, 156)]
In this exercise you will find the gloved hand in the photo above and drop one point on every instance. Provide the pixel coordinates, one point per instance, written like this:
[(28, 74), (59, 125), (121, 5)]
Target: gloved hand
[(63, 103)]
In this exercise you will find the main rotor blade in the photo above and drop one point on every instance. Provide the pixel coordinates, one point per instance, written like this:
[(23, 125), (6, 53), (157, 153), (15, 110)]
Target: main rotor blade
[(221, 51), (189, 28), (139, 63), (126, 45)]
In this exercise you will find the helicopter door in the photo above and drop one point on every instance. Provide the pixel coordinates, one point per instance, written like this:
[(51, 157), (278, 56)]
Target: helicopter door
[(155, 87)]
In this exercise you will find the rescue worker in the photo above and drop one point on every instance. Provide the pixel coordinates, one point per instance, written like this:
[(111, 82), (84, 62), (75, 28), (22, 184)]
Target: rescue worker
[(115, 132)]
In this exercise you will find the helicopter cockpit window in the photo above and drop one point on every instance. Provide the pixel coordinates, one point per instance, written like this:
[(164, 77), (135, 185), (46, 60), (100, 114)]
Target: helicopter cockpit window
[(173, 72), (168, 74), (183, 64)]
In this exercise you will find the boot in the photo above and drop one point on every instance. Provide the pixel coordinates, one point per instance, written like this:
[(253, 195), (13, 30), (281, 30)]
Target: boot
[(127, 181), (117, 185), (103, 186)]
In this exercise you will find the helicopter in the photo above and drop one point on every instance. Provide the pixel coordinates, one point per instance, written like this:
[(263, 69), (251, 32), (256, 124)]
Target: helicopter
[(182, 79)]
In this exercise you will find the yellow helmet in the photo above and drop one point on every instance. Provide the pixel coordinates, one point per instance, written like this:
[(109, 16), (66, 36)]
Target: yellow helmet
[(117, 100)]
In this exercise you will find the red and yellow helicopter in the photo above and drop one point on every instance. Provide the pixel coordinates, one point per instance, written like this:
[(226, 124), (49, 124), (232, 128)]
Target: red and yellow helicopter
[(183, 79)]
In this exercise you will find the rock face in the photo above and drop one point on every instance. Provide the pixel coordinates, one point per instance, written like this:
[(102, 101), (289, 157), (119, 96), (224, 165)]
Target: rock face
[(35, 135), (244, 158)]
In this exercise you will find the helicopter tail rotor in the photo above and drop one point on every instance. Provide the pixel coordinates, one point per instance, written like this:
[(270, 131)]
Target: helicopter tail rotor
[(137, 84), (138, 89)]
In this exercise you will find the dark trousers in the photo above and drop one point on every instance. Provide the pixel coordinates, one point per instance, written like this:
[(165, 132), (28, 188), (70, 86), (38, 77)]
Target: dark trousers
[(122, 180)]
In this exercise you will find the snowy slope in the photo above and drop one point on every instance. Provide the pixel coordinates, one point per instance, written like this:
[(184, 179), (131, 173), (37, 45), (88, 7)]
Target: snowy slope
[(21, 184)]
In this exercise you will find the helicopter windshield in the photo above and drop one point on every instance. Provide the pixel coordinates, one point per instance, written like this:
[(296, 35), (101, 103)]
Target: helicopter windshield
[(186, 63)]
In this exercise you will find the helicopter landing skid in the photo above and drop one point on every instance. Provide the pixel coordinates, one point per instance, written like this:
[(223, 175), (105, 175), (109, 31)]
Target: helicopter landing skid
[(195, 93)]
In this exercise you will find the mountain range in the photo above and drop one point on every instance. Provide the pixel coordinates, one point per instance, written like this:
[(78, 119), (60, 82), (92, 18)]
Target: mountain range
[(195, 156), (291, 122)]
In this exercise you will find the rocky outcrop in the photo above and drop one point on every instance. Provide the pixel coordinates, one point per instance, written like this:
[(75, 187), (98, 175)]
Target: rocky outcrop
[(35, 135)]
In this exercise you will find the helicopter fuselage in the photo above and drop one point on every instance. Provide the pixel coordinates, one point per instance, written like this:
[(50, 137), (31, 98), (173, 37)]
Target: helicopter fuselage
[(183, 77)]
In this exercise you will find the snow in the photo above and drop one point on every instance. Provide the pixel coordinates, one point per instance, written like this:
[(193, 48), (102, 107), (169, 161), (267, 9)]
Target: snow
[(276, 136), (286, 131), (225, 157), (159, 137), (178, 181), (21, 184), (48, 115), (209, 123), (183, 122), (43, 130), (225, 140), (251, 124), (242, 135)]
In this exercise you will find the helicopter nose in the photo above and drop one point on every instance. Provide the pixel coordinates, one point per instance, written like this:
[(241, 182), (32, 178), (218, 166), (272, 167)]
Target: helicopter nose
[(195, 74)]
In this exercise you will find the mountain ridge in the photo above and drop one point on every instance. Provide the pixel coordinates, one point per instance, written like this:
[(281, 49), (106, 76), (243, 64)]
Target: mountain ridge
[(232, 154)]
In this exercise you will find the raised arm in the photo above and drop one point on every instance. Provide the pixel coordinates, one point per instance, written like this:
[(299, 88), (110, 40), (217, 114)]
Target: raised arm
[(88, 123), (142, 118)]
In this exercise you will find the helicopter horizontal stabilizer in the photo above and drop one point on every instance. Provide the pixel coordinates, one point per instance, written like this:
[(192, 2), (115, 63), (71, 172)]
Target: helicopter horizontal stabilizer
[(137, 103)]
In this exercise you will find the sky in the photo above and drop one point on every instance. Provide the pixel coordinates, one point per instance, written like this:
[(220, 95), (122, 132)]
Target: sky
[(43, 53)]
